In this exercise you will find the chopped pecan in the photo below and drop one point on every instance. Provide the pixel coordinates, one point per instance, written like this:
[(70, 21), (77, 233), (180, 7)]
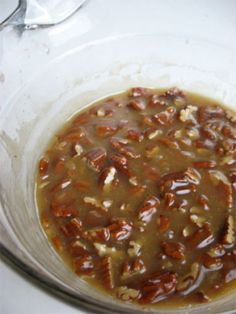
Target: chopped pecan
[(135, 135), (218, 177), (102, 249), (188, 114), (174, 92), (198, 220), (201, 238), (98, 234), (164, 223), (84, 265), (106, 177), (137, 104), (134, 249), (169, 143), (120, 229), (72, 228), (130, 269), (206, 113), (140, 92), (185, 284), (148, 209), (106, 272), (96, 158), (119, 145), (77, 249), (121, 164), (127, 294), (173, 249), (166, 117), (158, 286), (228, 231), (94, 203)]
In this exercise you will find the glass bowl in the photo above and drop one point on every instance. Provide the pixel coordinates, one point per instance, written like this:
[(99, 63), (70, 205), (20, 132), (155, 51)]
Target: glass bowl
[(49, 74)]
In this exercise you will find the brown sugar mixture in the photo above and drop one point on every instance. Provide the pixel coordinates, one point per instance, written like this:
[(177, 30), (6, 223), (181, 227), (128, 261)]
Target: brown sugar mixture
[(138, 194)]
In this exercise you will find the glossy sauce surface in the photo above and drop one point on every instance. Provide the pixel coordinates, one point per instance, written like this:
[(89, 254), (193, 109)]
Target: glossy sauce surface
[(138, 194)]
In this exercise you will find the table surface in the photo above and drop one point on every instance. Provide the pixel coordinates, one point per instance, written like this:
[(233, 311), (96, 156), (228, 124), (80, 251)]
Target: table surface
[(212, 19)]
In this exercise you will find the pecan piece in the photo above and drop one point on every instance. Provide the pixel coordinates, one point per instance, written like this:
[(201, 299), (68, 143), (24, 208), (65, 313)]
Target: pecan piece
[(134, 249), (105, 128), (137, 104), (135, 135), (228, 231), (106, 272), (84, 265), (96, 158), (122, 147), (102, 249), (94, 203), (106, 177), (188, 114), (158, 286), (135, 267), (72, 228), (121, 164), (140, 92), (77, 249), (165, 117), (120, 229), (127, 294), (186, 283), (164, 223), (97, 234), (201, 238), (148, 209), (173, 249), (217, 177)]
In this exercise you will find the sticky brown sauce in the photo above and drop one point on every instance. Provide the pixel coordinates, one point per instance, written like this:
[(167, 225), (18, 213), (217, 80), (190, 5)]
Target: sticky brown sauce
[(137, 193)]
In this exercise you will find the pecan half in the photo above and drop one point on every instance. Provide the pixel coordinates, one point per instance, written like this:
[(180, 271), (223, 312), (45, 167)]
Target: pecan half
[(158, 286), (148, 209), (84, 265), (120, 229), (122, 147), (96, 158), (201, 238), (174, 249), (106, 272), (135, 267), (127, 294), (106, 177)]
